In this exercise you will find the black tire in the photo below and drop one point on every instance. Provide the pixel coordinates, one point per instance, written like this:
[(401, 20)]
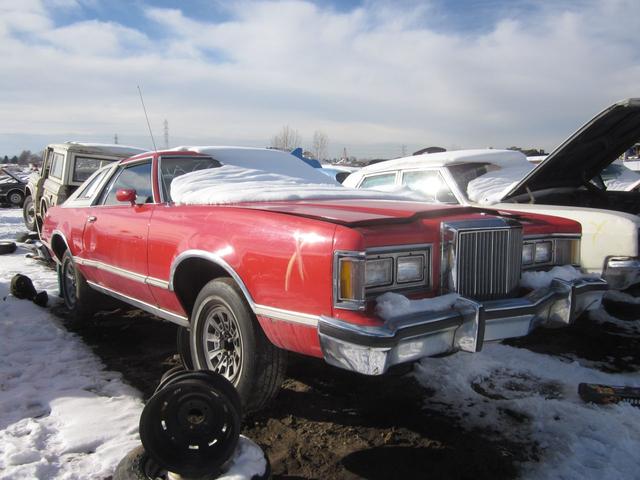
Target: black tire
[(15, 198), (184, 347), (138, 465), (29, 213), (7, 247), (246, 357), (81, 301)]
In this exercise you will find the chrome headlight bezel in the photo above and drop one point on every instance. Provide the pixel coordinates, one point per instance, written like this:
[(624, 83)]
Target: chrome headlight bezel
[(351, 287), (563, 250)]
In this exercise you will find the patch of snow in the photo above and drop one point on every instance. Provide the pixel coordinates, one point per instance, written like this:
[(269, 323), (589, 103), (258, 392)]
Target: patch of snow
[(233, 184), (390, 305), (492, 186), (540, 279), (247, 461), (629, 327), (578, 440)]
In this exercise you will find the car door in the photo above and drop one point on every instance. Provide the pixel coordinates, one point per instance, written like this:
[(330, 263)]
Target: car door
[(116, 233)]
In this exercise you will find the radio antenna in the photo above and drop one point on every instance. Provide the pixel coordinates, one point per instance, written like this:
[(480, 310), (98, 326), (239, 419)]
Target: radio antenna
[(147, 117)]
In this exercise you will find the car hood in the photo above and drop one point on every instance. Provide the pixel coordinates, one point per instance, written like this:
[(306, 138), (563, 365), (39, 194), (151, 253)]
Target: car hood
[(360, 212), (585, 153)]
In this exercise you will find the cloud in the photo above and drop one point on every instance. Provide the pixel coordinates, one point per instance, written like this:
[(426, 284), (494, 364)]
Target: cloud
[(373, 78)]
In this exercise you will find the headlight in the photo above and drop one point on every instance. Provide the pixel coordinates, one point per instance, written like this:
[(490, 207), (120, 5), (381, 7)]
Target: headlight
[(543, 252), (527, 254), (379, 272), (410, 269)]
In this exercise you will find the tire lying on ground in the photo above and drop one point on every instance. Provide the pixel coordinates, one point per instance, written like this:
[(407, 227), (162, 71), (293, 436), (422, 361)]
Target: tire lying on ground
[(7, 247)]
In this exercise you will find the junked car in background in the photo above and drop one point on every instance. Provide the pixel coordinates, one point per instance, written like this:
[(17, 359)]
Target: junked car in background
[(566, 183), (64, 167), (11, 188), (254, 253)]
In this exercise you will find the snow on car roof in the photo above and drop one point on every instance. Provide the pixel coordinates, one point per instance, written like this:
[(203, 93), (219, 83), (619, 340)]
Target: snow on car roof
[(269, 160), (496, 157), (234, 184), (101, 148)]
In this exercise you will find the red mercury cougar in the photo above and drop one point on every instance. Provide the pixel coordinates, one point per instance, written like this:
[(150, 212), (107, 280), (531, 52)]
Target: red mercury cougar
[(253, 253)]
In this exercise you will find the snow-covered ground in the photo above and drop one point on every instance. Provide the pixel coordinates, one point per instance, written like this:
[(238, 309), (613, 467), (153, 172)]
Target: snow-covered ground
[(62, 415)]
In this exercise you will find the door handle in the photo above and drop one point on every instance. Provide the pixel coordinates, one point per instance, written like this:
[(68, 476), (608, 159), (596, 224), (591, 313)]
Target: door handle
[(92, 219)]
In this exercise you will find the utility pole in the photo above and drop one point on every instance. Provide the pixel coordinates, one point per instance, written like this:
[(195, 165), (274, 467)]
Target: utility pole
[(166, 133), (115, 139)]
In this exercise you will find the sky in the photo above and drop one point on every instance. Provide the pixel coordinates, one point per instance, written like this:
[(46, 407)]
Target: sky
[(378, 77)]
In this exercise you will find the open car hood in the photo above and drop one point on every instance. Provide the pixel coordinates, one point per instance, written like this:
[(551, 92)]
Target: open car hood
[(585, 153)]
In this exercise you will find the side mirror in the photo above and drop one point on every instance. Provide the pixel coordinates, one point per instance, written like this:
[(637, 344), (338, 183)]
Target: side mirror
[(126, 195)]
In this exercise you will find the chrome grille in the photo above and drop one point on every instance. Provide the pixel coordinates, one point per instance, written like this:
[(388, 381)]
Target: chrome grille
[(482, 263)]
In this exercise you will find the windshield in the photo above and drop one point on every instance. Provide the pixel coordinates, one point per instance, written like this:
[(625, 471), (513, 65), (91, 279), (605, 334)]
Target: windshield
[(174, 167), (465, 172)]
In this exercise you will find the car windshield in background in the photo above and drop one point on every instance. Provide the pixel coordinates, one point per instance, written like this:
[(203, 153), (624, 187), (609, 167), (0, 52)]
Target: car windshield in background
[(465, 172), (173, 167), (85, 166)]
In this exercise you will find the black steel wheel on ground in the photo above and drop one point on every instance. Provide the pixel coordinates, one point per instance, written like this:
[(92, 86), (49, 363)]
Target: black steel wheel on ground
[(191, 424), (16, 198), (81, 301), (7, 247), (29, 213), (227, 339), (183, 347)]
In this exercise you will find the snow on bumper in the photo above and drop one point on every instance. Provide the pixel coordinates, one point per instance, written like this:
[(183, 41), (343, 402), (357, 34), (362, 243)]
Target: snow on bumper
[(465, 327), (621, 272)]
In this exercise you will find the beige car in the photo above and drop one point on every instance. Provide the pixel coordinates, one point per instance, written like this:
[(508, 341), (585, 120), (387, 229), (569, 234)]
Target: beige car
[(64, 167)]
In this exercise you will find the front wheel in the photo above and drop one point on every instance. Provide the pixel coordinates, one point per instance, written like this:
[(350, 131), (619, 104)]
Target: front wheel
[(29, 213), (226, 338)]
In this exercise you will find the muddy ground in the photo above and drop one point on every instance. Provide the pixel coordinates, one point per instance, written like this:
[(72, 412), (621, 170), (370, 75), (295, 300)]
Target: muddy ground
[(328, 423)]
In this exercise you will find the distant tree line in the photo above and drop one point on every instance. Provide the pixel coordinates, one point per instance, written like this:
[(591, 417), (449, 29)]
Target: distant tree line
[(288, 139), (25, 158)]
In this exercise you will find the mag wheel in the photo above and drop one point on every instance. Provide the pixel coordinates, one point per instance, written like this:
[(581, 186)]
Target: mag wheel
[(29, 213), (227, 339)]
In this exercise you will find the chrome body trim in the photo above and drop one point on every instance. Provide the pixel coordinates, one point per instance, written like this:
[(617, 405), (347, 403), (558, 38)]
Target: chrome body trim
[(212, 257), (136, 277), (287, 315), (621, 272), (371, 350), (165, 314), (48, 245)]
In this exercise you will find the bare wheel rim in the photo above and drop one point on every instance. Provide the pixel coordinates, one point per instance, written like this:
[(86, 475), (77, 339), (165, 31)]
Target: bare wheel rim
[(31, 213), (222, 343), (69, 281), (15, 198)]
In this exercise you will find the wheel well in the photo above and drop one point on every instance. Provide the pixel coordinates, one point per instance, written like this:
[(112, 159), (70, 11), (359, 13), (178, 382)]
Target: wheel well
[(191, 275), (58, 246)]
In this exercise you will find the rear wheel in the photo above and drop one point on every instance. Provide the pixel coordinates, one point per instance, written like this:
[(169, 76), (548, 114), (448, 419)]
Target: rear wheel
[(29, 213), (16, 198), (81, 301), (226, 338)]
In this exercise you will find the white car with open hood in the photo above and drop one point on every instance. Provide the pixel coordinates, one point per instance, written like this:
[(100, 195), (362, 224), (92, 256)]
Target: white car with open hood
[(567, 183)]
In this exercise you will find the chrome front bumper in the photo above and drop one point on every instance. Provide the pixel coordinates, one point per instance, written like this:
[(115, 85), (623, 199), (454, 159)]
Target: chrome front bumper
[(465, 327), (621, 272)]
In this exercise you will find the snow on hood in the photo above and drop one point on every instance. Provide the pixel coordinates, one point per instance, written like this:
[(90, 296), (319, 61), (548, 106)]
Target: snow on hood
[(233, 184), (492, 186), (619, 177)]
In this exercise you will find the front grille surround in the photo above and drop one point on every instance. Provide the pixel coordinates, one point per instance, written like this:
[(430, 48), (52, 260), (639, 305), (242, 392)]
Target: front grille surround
[(481, 259)]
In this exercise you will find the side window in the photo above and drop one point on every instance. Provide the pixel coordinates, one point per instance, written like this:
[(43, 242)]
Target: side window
[(382, 180), (89, 188), (56, 165), (137, 177), (83, 167), (173, 167), (429, 183)]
